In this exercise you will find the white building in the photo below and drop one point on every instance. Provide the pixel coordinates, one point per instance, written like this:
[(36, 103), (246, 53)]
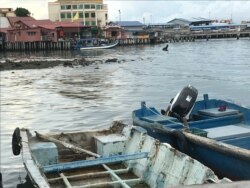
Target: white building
[(89, 12), (7, 12)]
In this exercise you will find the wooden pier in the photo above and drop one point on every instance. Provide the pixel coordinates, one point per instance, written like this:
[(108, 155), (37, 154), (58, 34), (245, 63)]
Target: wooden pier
[(36, 46), (192, 36), (167, 37), (134, 41)]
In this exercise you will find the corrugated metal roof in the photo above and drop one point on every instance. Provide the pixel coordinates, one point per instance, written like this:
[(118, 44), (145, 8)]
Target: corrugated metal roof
[(37, 23), (12, 20), (199, 19), (129, 23), (191, 20), (69, 24), (181, 19), (48, 24)]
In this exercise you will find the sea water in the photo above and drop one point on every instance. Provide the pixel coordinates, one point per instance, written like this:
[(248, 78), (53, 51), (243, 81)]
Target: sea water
[(80, 98)]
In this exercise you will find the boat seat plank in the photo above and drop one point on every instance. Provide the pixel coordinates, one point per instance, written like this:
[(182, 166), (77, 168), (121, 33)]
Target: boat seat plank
[(227, 132), (60, 167), (214, 112), (158, 118)]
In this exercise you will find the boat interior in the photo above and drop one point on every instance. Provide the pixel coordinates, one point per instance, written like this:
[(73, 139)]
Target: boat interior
[(217, 119), (122, 156)]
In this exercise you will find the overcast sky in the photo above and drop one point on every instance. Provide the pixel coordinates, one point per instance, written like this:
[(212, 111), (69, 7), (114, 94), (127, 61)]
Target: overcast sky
[(152, 11)]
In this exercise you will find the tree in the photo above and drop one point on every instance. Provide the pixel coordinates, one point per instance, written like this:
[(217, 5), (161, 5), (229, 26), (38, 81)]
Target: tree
[(97, 32), (22, 12)]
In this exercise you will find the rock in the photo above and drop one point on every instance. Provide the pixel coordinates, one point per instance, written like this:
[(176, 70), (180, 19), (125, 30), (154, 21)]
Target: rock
[(111, 60), (42, 62), (67, 64)]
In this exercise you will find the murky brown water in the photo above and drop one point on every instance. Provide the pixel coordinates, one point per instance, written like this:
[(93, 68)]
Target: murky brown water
[(69, 99)]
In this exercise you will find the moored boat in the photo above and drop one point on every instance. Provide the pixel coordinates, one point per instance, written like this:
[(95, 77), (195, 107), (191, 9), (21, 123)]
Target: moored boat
[(121, 156), (94, 44), (215, 132)]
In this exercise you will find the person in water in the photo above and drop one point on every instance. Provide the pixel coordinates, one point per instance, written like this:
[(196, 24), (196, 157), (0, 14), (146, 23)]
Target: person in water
[(165, 48)]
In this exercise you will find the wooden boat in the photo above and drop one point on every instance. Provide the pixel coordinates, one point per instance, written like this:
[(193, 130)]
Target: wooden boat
[(106, 46), (218, 132), (94, 44), (121, 156)]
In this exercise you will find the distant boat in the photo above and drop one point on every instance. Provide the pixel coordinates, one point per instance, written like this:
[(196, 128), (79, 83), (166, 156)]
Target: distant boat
[(94, 43), (223, 129), (121, 156)]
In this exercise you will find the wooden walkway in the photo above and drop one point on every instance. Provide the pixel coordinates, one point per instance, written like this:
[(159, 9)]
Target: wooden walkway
[(192, 36), (36, 46)]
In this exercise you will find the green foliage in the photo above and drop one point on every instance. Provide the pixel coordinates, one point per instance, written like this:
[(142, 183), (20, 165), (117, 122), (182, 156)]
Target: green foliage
[(97, 32), (22, 12)]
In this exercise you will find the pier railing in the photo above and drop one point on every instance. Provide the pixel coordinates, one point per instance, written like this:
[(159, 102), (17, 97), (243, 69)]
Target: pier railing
[(193, 35), (36, 46)]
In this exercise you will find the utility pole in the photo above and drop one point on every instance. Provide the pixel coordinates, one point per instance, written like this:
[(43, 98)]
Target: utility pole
[(119, 15)]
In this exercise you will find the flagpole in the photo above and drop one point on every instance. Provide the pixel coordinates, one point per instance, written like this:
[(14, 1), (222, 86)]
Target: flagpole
[(77, 18), (78, 29)]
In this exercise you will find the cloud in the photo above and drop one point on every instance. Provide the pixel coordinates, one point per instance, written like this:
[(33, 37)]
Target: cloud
[(151, 10), (163, 11)]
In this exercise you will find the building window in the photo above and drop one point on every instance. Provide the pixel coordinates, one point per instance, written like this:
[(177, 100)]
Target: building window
[(80, 15), (106, 16), (87, 23), (74, 6), (93, 23), (80, 6), (62, 16), (92, 6), (86, 15), (31, 33), (92, 15), (68, 15), (87, 6), (68, 7), (98, 7), (63, 7)]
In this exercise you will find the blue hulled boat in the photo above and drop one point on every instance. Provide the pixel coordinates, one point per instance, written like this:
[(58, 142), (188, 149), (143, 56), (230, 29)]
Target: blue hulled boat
[(94, 44), (215, 132)]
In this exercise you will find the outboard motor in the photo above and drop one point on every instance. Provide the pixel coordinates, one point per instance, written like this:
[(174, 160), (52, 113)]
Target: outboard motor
[(182, 104)]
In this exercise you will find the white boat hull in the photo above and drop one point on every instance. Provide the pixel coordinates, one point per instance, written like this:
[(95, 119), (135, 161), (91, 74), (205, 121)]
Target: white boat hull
[(99, 47), (143, 160)]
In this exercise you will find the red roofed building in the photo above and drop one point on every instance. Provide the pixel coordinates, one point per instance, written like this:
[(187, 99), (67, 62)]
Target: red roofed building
[(71, 30), (12, 20), (27, 29)]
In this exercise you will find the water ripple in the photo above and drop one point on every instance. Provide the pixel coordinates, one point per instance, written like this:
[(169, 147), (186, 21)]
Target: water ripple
[(71, 99)]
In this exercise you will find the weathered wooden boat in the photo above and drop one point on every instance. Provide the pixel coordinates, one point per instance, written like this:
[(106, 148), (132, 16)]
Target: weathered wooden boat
[(94, 44), (121, 156), (215, 132)]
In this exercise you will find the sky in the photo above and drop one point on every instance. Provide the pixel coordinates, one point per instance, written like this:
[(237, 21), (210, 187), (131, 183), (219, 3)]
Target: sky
[(152, 11)]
